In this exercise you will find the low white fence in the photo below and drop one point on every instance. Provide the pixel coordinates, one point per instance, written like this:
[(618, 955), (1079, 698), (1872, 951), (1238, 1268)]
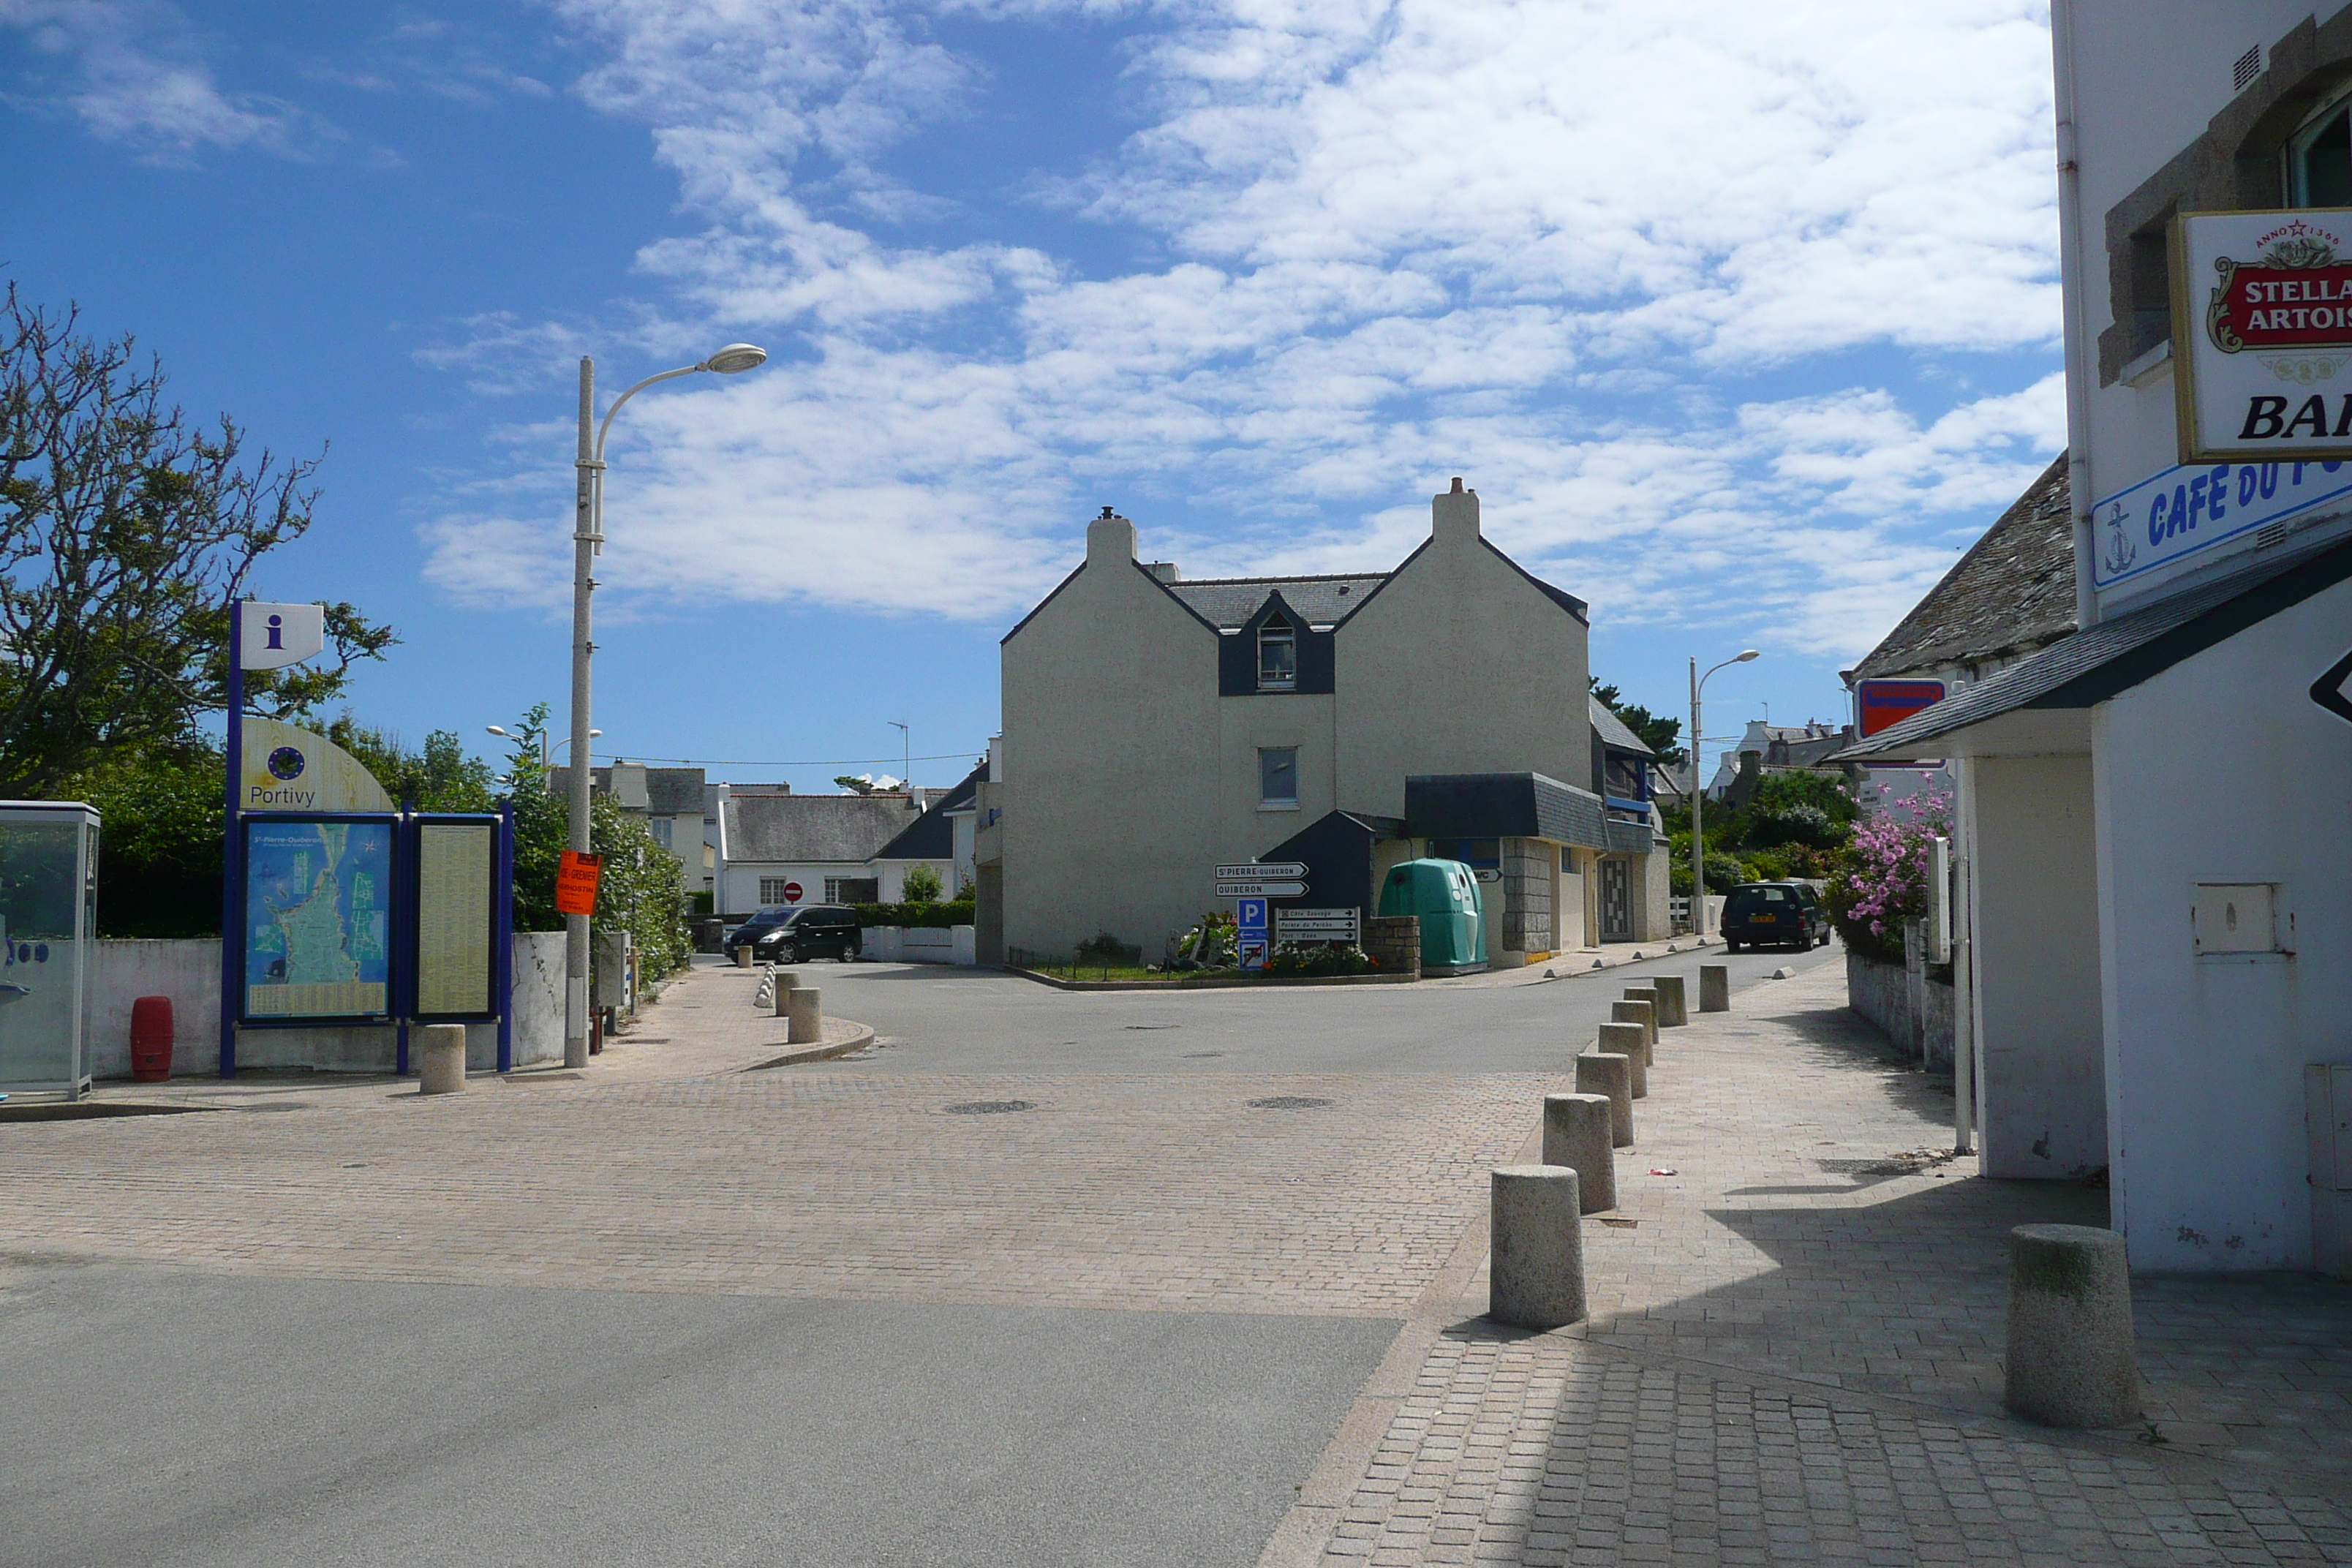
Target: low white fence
[(920, 944), (187, 970)]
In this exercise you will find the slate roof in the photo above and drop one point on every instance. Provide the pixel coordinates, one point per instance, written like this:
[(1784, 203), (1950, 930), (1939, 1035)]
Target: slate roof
[(2013, 591), (798, 827), (2114, 655), (1516, 805), (669, 791), (1612, 730), (1226, 602), (931, 836)]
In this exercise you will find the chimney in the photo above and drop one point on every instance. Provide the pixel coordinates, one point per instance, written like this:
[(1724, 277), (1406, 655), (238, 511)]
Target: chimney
[(1165, 571), (1455, 515), (1111, 540)]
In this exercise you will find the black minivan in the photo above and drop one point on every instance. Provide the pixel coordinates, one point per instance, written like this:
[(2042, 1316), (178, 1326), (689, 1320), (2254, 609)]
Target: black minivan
[(1774, 914), (811, 930)]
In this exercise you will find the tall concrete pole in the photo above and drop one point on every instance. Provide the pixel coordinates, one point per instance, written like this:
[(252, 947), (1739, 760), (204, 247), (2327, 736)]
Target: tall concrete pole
[(1698, 838), (586, 535)]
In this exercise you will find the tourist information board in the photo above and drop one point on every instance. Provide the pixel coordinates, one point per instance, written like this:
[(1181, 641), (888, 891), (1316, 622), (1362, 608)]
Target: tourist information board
[(456, 920), (317, 922)]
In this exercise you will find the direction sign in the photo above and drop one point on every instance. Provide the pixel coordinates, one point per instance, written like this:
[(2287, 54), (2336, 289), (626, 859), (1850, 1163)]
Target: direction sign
[(1276, 870), (1260, 889), (2330, 690), (1318, 925)]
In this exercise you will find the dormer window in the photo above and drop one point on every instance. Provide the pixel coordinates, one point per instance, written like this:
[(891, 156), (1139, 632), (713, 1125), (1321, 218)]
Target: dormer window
[(1277, 656)]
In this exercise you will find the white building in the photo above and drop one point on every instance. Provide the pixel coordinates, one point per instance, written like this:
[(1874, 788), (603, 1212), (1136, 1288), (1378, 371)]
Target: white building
[(1157, 727), (777, 848), (2156, 810)]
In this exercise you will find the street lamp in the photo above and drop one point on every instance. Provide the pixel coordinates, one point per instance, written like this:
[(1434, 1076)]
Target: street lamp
[(588, 539), (509, 735), (1699, 794), (907, 768)]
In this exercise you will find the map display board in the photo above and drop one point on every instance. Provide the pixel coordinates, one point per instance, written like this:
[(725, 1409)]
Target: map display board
[(317, 918), (456, 921)]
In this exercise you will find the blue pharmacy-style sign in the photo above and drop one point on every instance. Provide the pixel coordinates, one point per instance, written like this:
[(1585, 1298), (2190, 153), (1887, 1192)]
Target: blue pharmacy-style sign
[(2195, 506), (1250, 941)]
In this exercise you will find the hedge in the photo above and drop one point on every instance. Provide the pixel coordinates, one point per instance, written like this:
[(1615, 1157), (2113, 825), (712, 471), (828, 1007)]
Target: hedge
[(951, 913)]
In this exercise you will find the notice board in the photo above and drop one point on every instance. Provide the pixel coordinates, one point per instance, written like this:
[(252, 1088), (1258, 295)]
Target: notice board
[(456, 921)]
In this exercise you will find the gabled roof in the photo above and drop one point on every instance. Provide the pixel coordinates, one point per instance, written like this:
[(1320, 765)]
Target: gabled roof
[(2013, 591), (2114, 655), (1612, 730), (809, 827), (1226, 603), (931, 836), (669, 791)]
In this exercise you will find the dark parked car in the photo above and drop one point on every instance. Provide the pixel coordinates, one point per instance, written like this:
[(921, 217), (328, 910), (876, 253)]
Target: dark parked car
[(811, 930), (1774, 914), (764, 920)]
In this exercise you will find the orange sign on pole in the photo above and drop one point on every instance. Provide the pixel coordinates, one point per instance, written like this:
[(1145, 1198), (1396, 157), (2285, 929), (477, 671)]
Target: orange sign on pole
[(576, 883)]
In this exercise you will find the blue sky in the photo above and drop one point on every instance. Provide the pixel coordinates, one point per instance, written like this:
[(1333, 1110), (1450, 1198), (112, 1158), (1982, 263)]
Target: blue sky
[(1742, 320)]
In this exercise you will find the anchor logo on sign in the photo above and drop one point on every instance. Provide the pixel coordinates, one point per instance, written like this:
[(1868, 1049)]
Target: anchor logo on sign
[(2121, 551)]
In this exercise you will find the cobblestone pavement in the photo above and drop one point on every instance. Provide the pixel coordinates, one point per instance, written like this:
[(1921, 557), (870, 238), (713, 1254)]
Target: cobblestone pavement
[(1794, 1356)]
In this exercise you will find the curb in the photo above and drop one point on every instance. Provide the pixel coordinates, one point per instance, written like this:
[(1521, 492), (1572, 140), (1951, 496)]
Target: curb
[(1212, 983), (858, 1038)]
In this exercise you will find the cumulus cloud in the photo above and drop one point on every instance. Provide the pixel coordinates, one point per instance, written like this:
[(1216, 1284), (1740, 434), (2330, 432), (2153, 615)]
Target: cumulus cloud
[(134, 73), (1595, 256)]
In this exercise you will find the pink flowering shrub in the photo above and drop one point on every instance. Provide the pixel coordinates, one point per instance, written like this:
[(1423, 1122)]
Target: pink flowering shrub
[(1881, 879)]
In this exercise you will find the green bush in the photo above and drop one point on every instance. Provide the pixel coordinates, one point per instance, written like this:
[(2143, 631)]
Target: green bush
[(922, 886), (914, 914), (1318, 958)]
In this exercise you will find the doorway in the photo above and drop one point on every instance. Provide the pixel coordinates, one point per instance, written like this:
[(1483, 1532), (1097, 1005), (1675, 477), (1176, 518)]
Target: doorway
[(1616, 900)]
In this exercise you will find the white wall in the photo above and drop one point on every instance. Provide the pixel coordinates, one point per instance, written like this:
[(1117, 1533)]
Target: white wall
[(2206, 1054), (2035, 917), (740, 885), (188, 971)]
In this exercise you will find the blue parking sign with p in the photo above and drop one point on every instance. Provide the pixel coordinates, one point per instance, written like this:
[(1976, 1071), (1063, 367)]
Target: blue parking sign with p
[(1249, 914)]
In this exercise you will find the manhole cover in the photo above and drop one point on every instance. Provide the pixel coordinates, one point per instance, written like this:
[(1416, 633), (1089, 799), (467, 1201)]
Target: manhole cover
[(1192, 1055), (1290, 1102), (1151, 1025), (989, 1107)]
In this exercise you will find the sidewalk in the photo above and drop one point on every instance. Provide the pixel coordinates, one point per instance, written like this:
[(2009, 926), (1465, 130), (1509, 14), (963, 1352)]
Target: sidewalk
[(1795, 1355)]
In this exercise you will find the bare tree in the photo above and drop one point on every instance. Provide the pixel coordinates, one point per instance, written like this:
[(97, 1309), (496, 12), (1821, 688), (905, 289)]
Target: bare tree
[(126, 529)]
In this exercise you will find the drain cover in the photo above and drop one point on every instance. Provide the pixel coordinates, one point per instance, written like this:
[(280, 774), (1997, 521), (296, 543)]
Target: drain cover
[(989, 1107), (1191, 1055), (1150, 1025), (1290, 1102)]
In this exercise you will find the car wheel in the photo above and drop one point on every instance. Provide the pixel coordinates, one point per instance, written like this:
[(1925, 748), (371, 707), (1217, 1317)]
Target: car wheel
[(849, 953), (1729, 945), (787, 953)]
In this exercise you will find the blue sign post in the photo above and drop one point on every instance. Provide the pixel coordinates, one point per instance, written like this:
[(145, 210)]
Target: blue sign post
[(1250, 932)]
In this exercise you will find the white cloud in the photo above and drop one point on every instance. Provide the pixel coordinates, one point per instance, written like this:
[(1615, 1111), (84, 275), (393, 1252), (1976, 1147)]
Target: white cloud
[(1586, 254), (134, 73)]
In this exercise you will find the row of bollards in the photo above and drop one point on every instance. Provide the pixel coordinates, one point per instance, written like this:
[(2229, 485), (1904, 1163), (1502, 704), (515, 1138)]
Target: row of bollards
[(2071, 1358), (1536, 1272), (801, 1006)]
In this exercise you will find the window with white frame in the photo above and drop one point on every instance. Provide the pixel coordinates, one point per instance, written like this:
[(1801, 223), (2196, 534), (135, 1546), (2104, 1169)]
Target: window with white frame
[(1277, 775), (1277, 656), (853, 889), (772, 889), (2319, 159), (663, 827)]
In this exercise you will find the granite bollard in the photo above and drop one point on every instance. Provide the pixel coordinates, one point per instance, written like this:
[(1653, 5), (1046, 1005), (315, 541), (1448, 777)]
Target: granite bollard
[(1673, 1008), (1610, 1075), (787, 982), (441, 1059), (807, 1015), (1536, 1246), (743, 958), (1579, 1131), (2070, 1358), (1625, 1040), (1640, 1013), (1715, 988)]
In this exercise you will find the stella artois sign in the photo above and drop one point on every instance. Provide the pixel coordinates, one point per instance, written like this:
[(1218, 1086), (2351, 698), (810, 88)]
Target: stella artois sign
[(2262, 334)]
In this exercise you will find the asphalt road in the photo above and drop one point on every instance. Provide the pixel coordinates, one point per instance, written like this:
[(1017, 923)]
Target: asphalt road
[(930, 1018), (183, 1416)]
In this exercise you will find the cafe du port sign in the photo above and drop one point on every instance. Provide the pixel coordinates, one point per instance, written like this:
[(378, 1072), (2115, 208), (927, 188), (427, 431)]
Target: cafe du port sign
[(2262, 335)]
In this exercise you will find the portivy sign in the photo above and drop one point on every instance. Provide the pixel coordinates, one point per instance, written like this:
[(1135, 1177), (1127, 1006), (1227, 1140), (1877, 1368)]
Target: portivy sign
[(2262, 334)]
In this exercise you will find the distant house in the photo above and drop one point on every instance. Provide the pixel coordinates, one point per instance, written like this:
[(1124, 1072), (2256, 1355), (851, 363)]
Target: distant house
[(670, 801), (940, 839), (783, 848), (1776, 748)]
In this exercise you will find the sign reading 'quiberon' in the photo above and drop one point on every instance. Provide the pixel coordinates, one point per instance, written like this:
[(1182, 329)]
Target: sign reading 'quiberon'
[(2262, 334)]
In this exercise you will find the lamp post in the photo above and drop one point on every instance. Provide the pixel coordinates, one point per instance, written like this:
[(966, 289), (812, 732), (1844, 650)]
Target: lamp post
[(588, 539), (907, 768), (1699, 794)]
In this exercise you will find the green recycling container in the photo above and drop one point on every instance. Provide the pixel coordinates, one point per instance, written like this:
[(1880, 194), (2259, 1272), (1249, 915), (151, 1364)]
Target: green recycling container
[(1445, 895)]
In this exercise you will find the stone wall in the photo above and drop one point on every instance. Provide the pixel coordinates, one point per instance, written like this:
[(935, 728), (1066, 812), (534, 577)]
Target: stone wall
[(1395, 942), (188, 971), (1883, 992)]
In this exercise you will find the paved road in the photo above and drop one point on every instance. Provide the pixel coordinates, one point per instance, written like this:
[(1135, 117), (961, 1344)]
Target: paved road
[(1034, 1283)]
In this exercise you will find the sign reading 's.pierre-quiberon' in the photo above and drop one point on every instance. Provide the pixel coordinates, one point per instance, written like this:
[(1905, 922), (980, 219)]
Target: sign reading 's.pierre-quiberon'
[(2262, 334)]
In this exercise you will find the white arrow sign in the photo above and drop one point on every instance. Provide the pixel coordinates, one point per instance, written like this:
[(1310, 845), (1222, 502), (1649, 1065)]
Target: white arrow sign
[(2333, 690), (1260, 889), (1281, 870)]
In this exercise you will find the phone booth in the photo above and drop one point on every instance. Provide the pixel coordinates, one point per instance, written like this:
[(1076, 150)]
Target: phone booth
[(49, 907)]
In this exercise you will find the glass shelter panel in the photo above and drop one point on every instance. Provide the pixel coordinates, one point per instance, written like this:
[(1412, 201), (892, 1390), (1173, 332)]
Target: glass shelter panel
[(49, 863)]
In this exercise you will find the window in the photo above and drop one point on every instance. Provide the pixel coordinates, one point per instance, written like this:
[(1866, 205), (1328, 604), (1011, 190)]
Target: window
[(1277, 775), (662, 826), (853, 889), (2319, 161), (1277, 656), (772, 889)]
